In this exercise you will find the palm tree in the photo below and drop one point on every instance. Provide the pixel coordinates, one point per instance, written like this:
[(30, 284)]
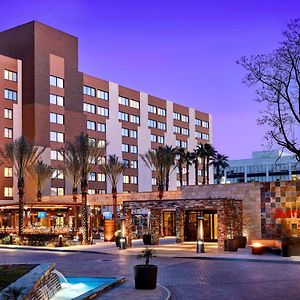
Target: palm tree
[(40, 173), (202, 155), (195, 155), (169, 156), (210, 152), (88, 154), (219, 161), (180, 152), (188, 158), (72, 167), (113, 168), (21, 154)]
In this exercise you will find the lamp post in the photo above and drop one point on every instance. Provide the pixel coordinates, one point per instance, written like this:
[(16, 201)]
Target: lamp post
[(200, 239), (123, 234)]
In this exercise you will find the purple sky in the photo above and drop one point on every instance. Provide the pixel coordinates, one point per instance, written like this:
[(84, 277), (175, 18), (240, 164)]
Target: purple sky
[(184, 51)]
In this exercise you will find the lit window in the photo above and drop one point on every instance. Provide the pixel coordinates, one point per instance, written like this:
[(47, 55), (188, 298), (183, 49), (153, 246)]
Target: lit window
[(10, 75), (198, 134), (101, 191), (56, 155), (161, 111), (160, 139), (133, 180), (8, 172), (133, 134), (184, 144), (102, 95), (125, 148), (133, 149), (101, 177), (126, 179), (125, 132), (197, 122), (134, 119), (123, 116), (185, 118), (57, 174), (176, 129), (184, 131), (205, 124), (89, 91), (153, 181), (133, 164), (92, 176), (57, 191), (8, 133), (101, 127), (57, 136), (56, 100), (8, 191), (56, 81), (152, 123), (123, 101), (205, 136), (90, 108), (176, 116), (152, 109), (162, 125), (101, 143), (90, 125), (8, 113), (91, 191), (56, 118), (134, 104), (102, 111), (153, 138), (10, 95)]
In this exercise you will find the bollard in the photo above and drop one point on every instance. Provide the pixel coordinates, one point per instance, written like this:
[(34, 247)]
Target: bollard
[(122, 243), (200, 246)]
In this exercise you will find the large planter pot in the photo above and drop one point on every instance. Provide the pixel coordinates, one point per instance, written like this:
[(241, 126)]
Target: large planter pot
[(285, 250), (117, 241), (147, 239), (109, 230), (242, 241), (145, 277), (231, 245)]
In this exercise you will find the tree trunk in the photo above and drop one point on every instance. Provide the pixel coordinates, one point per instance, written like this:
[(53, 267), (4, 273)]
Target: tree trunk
[(207, 170), (203, 170), (180, 175), (84, 213), (196, 171), (115, 206), (39, 196), (218, 174), (75, 209), (21, 186), (160, 191), (167, 181), (187, 174)]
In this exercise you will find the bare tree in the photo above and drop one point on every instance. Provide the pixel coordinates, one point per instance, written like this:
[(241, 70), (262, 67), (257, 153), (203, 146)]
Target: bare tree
[(277, 77)]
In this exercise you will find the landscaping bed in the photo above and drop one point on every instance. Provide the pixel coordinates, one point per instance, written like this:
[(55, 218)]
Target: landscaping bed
[(10, 273)]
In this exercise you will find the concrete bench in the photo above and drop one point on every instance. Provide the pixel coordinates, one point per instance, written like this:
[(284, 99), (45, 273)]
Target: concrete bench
[(268, 243)]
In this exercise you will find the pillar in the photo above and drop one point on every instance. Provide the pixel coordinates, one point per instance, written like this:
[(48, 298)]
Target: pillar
[(128, 225), (179, 216), (155, 215)]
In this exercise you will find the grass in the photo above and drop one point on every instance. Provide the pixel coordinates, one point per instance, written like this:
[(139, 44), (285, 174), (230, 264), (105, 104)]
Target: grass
[(10, 273)]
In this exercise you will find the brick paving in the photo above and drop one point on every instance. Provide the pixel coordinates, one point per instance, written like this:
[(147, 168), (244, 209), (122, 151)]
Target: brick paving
[(185, 278)]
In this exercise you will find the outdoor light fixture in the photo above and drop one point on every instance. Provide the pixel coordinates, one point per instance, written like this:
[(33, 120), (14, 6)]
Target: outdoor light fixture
[(123, 235), (257, 248), (60, 240), (11, 238), (200, 240)]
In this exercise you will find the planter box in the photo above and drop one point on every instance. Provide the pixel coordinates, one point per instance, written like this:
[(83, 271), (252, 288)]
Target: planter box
[(145, 277)]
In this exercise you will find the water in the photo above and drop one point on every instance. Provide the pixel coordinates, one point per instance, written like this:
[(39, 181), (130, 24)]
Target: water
[(76, 286), (61, 276)]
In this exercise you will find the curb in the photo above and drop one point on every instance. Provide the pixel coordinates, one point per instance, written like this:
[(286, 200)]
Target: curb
[(168, 297)]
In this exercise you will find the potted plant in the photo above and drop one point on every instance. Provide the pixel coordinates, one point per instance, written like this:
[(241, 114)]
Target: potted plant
[(145, 276), (285, 247), (242, 240), (230, 244)]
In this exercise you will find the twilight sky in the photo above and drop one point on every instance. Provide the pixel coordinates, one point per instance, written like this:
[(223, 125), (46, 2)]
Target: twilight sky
[(183, 51)]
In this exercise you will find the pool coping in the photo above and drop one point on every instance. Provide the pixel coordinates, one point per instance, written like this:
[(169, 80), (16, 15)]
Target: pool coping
[(91, 294)]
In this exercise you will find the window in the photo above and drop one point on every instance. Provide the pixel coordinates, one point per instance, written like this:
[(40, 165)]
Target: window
[(102, 95), (184, 144), (153, 138), (90, 125), (178, 143), (134, 104), (184, 131), (56, 155), (152, 109), (125, 132), (8, 113), (134, 119), (10, 75), (90, 108), (57, 191), (198, 134), (101, 127), (92, 141), (101, 191), (197, 122), (123, 101), (91, 191), (8, 172), (89, 91), (8, 191), (92, 176), (8, 133), (102, 111), (176, 116), (162, 125), (57, 136), (101, 143), (133, 149), (101, 177), (126, 162), (152, 123), (56, 81), (133, 134), (205, 136), (56, 100), (125, 148), (10, 95), (133, 164), (176, 129), (57, 174), (133, 180), (185, 118), (205, 124), (126, 179), (56, 118), (123, 116), (160, 139), (161, 111), (153, 180)]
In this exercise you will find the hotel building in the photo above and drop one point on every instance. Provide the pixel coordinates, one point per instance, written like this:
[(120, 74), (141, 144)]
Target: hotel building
[(46, 98)]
